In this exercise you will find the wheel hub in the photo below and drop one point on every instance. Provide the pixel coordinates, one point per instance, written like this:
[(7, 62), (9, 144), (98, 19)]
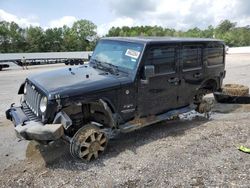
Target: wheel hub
[(94, 146)]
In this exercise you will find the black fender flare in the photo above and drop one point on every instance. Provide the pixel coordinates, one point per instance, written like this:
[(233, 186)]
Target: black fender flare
[(21, 89), (113, 121), (206, 81)]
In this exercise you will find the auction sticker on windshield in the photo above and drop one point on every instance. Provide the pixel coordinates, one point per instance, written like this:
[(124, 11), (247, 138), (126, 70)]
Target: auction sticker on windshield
[(132, 53)]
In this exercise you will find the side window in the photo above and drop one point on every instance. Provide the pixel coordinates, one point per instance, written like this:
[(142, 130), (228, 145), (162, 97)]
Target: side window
[(191, 56), (163, 58), (215, 54)]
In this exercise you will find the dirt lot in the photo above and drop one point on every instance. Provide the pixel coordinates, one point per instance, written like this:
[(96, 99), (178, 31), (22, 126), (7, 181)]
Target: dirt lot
[(192, 151)]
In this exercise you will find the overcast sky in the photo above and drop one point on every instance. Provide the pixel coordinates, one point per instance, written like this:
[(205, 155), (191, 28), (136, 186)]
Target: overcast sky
[(177, 14)]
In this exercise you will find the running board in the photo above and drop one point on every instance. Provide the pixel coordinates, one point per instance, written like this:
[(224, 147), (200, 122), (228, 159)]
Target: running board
[(138, 123)]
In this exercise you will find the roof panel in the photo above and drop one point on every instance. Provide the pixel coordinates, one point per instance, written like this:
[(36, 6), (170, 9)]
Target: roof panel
[(161, 39)]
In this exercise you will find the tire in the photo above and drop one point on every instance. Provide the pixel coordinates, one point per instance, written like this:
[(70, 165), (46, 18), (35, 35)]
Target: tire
[(224, 98), (88, 143), (205, 106), (199, 96), (235, 90)]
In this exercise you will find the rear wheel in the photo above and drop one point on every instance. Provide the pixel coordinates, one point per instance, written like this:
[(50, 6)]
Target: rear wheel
[(203, 105), (199, 96), (88, 143)]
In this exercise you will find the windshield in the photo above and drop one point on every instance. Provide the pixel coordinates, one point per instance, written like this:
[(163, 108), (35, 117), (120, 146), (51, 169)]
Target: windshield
[(118, 53)]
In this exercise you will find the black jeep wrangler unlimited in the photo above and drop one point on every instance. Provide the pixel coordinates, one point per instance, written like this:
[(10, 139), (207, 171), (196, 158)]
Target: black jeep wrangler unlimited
[(128, 83)]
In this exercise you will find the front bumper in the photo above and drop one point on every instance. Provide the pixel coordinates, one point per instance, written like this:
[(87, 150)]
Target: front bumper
[(30, 129)]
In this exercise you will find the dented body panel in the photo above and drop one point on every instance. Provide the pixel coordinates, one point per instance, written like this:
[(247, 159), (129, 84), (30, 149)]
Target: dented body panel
[(149, 80)]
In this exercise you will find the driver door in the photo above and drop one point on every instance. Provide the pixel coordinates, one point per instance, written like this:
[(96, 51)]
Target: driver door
[(158, 93)]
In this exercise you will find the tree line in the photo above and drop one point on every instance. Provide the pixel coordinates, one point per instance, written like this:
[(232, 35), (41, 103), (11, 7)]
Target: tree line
[(226, 30), (82, 36)]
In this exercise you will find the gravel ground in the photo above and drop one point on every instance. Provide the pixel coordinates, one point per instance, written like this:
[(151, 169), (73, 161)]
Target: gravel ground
[(190, 152)]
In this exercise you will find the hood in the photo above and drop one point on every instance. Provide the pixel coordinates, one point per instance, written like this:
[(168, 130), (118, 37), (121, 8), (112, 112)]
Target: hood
[(75, 81)]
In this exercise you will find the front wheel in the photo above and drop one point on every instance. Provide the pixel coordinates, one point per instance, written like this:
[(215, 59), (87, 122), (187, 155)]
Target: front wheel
[(88, 143)]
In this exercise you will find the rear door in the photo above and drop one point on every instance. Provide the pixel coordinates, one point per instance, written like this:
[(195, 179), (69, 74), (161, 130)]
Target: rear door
[(192, 72), (159, 94)]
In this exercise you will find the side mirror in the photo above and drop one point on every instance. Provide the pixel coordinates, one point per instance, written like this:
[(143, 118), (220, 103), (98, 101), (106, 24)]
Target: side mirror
[(149, 71)]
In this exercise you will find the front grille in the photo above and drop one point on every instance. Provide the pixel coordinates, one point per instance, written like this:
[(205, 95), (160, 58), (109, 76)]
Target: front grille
[(32, 99), (29, 113)]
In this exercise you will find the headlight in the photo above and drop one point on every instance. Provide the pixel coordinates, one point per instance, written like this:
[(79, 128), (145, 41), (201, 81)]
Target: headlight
[(43, 104), (25, 88)]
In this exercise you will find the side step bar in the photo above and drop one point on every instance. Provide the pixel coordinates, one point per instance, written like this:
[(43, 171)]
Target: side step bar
[(138, 123)]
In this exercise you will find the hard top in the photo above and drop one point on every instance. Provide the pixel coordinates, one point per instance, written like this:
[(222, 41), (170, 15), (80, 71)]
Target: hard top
[(146, 40)]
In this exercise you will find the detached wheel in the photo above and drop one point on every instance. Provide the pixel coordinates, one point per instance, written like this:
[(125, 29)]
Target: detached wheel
[(235, 90), (88, 143)]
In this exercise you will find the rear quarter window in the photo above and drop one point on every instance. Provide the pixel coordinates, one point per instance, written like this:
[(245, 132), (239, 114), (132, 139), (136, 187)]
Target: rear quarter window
[(191, 57), (215, 54)]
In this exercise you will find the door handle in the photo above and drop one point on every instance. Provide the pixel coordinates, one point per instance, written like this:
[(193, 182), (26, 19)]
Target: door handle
[(173, 80), (197, 75)]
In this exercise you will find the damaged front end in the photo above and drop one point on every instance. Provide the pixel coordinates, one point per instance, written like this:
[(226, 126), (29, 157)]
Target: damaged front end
[(30, 120), (29, 128)]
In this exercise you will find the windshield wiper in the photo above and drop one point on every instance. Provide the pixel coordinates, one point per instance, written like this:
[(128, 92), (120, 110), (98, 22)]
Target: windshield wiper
[(113, 69), (97, 63)]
